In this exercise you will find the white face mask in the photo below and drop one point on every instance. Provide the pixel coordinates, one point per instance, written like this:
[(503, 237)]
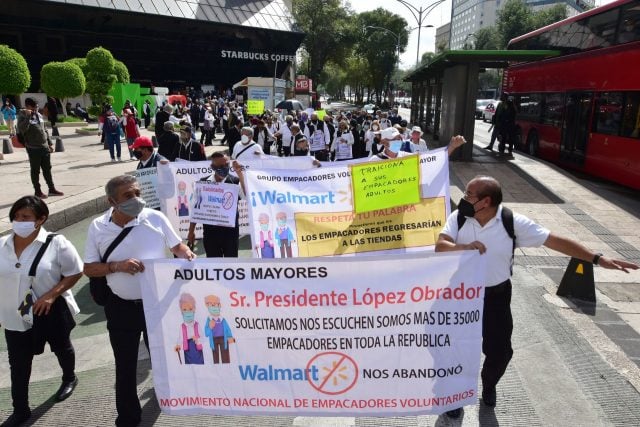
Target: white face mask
[(23, 228), (244, 139), (374, 127)]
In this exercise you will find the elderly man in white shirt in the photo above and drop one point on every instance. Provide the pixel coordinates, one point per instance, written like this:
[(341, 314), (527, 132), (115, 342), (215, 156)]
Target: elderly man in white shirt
[(150, 234), (481, 223), (247, 148)]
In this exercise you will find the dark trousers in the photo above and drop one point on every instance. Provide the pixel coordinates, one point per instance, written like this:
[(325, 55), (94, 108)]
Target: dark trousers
[(497, 326), (285, 249), (220, 241), (219, 352), (286, 151), (147, 120), (20, 346), (125, 322), (494, 134), (40, 158)]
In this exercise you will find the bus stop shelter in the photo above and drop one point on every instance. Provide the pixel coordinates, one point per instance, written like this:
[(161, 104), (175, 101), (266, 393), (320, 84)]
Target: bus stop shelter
[(444, 91)]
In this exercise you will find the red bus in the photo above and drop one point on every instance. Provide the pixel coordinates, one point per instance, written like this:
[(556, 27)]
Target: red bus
[(581, 109)]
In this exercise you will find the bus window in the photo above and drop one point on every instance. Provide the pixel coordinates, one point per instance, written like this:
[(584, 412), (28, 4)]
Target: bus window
[(631, 119), (601, 30), (552, 109), (528, 107), (608, 113), (629, 30)]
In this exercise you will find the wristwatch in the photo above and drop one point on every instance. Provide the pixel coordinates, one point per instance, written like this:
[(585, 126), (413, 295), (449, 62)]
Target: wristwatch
[(596, 258)]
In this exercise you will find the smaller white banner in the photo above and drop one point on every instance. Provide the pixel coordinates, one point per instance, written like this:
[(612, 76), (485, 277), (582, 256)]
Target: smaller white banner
[(215, 204), (148, 180)]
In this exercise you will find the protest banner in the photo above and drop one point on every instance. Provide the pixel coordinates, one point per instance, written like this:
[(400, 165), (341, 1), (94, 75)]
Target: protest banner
[(215, 203), (321, 114), (310, 212), (148, 180), (316, 336), (385, 184), (255, 106), (176, 185)]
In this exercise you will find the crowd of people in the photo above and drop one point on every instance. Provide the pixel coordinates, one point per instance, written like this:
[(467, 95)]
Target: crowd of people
[(129, 232)]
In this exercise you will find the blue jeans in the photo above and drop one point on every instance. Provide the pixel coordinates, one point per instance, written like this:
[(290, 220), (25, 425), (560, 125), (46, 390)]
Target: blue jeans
[(113, 139)]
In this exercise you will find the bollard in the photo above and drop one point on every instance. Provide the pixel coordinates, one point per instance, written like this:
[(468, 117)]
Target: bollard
[(59, 145), (578, 282), (7, 147), (155, 141)]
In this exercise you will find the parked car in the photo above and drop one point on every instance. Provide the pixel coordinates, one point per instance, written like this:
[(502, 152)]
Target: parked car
[(489, 111), (480, 104)]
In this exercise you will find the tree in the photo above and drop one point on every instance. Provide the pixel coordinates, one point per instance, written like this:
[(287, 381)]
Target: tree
[(62, 80), (513, 21), (328, 32), (100, 76), (487, 38), (380, 47), (80, 62), (16, 78), (545, 17), (442, 46), (427, 57), (122, 72)]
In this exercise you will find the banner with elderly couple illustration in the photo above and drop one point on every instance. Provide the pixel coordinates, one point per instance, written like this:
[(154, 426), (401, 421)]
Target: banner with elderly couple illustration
[(316, 336), (311, 212)]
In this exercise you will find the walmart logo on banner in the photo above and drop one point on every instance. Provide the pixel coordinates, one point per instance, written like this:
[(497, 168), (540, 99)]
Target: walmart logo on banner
[(278, 198)]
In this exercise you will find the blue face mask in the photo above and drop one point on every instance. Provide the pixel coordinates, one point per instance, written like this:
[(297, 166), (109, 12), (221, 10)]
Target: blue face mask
[(214, 311), (264, 227), (188, 316), (282, 223)]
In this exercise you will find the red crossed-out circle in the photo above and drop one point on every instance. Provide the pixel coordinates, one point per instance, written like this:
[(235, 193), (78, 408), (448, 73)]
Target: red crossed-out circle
[(337, 369), (228, 200)]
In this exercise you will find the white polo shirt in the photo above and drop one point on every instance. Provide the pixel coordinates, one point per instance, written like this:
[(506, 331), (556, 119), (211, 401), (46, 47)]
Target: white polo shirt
[(151, 234), (60, 259), (495, 238)]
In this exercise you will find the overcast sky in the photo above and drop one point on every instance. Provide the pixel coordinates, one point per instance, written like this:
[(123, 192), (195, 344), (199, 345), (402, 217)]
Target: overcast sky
[(441, 14)]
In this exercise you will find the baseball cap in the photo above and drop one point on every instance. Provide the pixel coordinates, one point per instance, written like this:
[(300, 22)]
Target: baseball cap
[(141, 141), (389, 133)]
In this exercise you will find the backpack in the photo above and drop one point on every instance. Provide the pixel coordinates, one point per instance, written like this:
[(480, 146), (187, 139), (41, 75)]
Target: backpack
[(507, 221), (111, 124)]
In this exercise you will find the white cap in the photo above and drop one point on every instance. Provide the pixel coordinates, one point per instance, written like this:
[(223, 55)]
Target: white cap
[(416, 129), (389, 133)]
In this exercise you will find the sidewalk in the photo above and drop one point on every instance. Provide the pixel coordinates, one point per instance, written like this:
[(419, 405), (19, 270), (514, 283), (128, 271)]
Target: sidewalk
[(573, 365), (80, 172)]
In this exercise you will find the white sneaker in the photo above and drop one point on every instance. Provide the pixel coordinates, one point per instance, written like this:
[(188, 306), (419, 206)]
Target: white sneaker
[(119, 159), (113, 160)]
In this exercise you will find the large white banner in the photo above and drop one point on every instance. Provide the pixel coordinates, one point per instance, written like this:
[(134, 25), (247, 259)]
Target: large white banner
[(380, 336), (310, 212)]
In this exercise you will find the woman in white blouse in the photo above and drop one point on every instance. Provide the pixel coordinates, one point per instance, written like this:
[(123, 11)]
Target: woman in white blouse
[(59, 268)]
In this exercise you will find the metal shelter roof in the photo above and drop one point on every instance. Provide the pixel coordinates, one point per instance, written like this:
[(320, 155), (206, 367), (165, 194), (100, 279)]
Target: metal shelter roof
[(485, 58)]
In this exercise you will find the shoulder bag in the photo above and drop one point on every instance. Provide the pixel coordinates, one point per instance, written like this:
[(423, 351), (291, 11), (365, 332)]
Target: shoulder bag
[(98, 287)]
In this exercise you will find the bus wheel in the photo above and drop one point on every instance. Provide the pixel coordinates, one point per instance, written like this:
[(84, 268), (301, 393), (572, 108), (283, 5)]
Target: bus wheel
[(532, 144)]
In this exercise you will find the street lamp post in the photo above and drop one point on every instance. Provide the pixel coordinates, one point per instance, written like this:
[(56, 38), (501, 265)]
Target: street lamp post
[(397, 42), (420, 15)]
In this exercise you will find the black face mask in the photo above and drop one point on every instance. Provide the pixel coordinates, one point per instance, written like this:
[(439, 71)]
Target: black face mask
[(138, 154), (222, 171), (466, 208)]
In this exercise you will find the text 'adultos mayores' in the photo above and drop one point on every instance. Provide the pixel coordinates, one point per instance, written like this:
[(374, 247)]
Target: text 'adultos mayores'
[(354, 297)]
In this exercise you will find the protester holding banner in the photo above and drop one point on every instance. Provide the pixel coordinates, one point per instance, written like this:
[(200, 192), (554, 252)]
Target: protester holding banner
[(149, 232), (142, 149), (482, 223), (390, 134), (220, 241), (342, 147)]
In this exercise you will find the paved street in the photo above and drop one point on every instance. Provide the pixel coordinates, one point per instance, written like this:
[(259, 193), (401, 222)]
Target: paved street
[(574, 365)]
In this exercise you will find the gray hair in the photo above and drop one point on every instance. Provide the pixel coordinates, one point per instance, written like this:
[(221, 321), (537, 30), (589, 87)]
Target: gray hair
[(248, 130), (188, 298), (116, 182)]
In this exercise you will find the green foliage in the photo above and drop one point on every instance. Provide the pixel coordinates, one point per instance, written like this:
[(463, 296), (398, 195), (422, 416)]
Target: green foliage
[(426, 57), (328, 33), (516, 19), (15, 77), (80, 62), (487, 38), (62, 80), (100, 74), (122, 72)]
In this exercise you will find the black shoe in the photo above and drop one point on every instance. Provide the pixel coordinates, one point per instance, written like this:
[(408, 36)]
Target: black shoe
[(454, 413), (54, 192), (16, 419), (41, 195), (488, 147), (66, 389), (489, 397)]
